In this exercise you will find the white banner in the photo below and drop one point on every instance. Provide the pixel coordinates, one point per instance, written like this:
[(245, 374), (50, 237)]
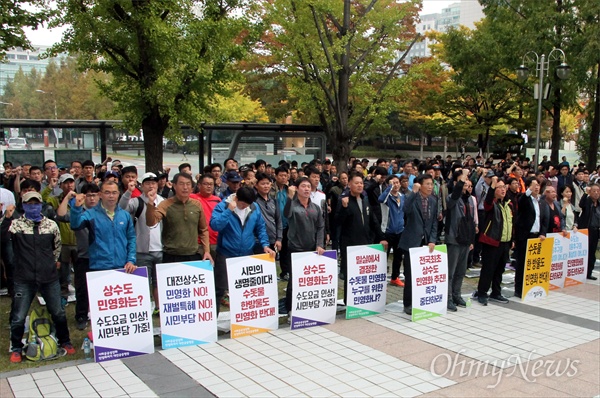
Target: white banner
[(429, 282), (121, 313), (560, 256), (315, 284), (367, 277), (188, 315), (578, 258), (253, 299)]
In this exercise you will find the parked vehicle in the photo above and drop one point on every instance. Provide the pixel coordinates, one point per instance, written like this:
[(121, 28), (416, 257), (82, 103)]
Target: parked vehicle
[(18, 143)]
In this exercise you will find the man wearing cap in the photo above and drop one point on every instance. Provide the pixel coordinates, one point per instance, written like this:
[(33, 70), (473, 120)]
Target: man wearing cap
[(37, 246), (82, 265), (149, 241), (233, 181), (111, 176), (68, 254)]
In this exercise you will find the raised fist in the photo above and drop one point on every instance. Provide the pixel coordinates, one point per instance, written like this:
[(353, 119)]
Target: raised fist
[(79, 199), (291, 191)]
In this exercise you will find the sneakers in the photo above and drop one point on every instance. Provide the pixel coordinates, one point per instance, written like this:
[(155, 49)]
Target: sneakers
[(499, 299), (451, 306), (225, 301), (81, 323), (460, 302), (397, 282), (15, 357), (482, 300), (69, 348)]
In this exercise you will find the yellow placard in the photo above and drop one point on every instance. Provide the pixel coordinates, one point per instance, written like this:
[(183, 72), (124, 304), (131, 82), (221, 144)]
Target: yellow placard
[(538, 263)]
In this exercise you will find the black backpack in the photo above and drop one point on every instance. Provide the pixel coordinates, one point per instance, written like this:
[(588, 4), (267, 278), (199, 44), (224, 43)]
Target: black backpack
[(139, 210)]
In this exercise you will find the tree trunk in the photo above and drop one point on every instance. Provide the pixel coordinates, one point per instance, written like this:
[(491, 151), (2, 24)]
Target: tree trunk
[(341, 152), (556, 133), (154, 127), (592, 160)]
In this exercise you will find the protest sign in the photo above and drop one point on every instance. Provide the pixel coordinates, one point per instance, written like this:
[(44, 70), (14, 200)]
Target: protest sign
[(121, 313), (315, 289), (578, 258), (253, 298), (188, 315), (560, 256), (367, 277), (538, 263), (429, 282)]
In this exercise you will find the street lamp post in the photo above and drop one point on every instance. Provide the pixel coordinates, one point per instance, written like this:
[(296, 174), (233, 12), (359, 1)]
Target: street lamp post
[(542, 66)]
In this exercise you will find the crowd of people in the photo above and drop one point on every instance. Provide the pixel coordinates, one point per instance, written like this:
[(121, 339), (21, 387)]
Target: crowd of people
[(90, 217)]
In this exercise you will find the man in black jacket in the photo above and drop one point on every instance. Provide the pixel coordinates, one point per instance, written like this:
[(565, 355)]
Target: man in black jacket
[(590, 219), (531, 223), (357, 222), (37, 246)]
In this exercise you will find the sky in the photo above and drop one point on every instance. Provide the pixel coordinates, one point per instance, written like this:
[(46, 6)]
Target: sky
[(47, 37)]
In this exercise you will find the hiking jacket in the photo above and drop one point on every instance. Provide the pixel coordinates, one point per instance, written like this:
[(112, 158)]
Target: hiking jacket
[(112, 242), (235, 240), (37, 249), (490, 230), (394, 224)]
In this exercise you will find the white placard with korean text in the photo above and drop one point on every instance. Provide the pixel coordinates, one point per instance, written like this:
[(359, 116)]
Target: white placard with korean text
[(121, 313), (578, 258), (315, 289), (366, 281), (560, 257), (429, 282), (188, 315), (253, 300)]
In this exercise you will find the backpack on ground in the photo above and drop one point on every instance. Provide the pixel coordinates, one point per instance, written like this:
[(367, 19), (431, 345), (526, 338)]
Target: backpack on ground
[(42, 344)]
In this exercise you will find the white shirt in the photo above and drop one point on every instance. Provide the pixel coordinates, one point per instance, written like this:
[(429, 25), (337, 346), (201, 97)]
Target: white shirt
[(242, 214), (536, 205), (155, 233), (318, 198)]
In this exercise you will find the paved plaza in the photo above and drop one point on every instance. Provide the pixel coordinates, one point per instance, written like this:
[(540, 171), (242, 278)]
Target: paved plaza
[(548, 348)]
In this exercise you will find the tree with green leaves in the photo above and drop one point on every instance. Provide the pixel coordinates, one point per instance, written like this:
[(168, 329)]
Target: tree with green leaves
[(16, 15), (342, 61), (63, 91), (521, 26), (477, 97), (167, 58)]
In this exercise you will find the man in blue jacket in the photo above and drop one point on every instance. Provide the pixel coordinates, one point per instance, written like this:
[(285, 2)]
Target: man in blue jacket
[(111, 232), (239, 222), (394, 224)]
